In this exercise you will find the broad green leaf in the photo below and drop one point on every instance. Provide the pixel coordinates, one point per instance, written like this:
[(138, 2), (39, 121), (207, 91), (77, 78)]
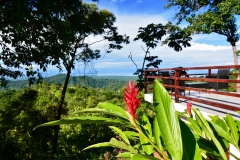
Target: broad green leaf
[(194, 126), (209, 132), (147, 125), (233, 129), (223, 142), (204, 133), (121, 134), (238, 125), (167, 121), (131, 135), (114, 108), (222, 132), (142, 157), (191, 149), (208, 146), (102, 111), (181, 114), (146, 145), (119, 144), (220, 122), (137, 146), (147, 130), (98, 145), (81, 120), (157, 134), (124, 155)]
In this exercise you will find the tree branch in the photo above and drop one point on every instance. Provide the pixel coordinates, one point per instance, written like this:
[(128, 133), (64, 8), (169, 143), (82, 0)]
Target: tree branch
[(130, 56), (96, 42)]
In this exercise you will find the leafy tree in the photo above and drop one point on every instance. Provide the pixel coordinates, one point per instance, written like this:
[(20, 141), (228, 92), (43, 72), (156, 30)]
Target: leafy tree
[(53, 33), (152, 35), (210, 16), (21, 110), (3, 82), (18, 115), (92, 22)]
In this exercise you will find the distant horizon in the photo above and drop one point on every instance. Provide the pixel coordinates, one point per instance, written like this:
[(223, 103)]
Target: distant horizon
[(96, 75), (206, 49), (46, 75)]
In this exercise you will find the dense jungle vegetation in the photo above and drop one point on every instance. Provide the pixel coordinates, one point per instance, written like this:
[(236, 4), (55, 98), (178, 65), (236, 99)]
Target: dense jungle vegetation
[(113, 82), (38, 34), (21, 110)]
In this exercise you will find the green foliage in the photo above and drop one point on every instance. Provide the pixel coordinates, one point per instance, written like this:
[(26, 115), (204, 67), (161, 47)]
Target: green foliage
[(232, 86), (167, 121), (147, 147), (22, 110), (17, 118), (53, 33), (201, 138), (3, 82), (209, 16), (171, 138), (145, 143), (151, 35), (238, 52), (111, 83)]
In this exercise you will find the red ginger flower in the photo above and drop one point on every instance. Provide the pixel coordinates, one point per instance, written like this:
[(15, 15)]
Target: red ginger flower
[(130, 97), (189, 106)]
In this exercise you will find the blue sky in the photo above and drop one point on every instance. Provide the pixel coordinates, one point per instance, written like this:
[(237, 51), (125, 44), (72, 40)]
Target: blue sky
[(206, 50)]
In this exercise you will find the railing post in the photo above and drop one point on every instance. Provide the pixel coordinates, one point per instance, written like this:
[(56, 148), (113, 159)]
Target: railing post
[(176, 82), (209, 72), (227, 154), (145, 81)]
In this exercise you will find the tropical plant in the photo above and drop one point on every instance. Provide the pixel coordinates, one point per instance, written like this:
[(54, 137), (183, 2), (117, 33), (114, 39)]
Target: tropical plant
[(168, 136), (152, 35)]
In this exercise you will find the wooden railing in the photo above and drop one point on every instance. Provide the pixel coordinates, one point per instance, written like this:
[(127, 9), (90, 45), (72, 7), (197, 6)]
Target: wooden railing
[(151, 74)]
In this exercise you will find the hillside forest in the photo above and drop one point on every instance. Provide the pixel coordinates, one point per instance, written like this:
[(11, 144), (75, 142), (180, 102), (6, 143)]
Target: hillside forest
[(21, 110), (36, 35)]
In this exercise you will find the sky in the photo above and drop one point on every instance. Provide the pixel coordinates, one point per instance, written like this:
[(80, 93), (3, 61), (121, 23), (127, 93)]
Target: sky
[(205, 50)]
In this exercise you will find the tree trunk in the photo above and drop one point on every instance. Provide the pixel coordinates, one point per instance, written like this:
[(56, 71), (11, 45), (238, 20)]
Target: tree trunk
[(59, 114), (234, 48)]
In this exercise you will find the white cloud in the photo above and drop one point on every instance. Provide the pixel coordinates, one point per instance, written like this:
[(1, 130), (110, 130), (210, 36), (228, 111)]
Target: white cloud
[(130, 24), (199, 54), (206, 47)]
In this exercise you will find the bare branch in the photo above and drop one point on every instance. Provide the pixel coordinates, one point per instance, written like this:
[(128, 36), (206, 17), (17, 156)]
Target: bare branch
[(130, 56), (143, 49), (96, 42)]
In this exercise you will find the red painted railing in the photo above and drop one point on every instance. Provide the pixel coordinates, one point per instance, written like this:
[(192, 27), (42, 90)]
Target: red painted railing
[(178, 76)]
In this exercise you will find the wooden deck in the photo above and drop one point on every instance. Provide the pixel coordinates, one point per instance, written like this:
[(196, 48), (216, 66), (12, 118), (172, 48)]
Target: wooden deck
[(207, 110), (211, 85), (211, 110)]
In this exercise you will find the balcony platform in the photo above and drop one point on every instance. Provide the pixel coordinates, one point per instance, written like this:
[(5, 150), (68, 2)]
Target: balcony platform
[(207, 110)]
